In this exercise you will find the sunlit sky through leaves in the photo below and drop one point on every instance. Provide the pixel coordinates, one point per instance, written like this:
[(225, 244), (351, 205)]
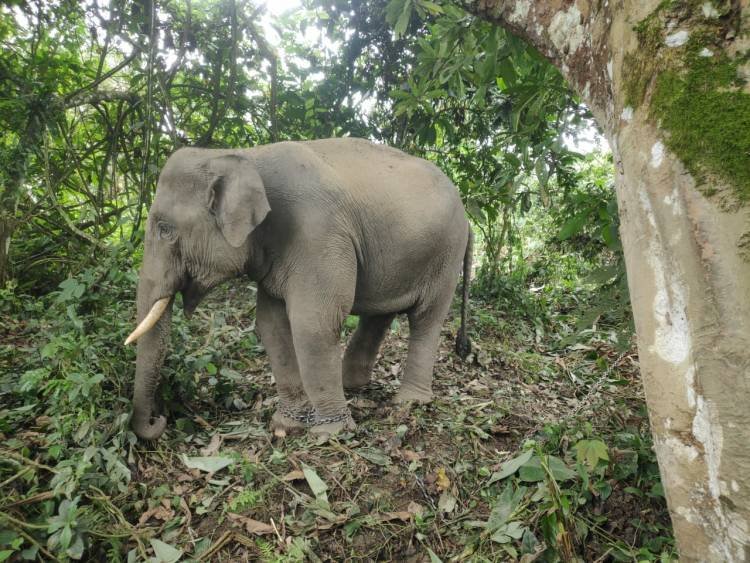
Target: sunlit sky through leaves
[(588, 139)]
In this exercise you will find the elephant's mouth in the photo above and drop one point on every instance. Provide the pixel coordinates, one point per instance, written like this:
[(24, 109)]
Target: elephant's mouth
[(192, 294)]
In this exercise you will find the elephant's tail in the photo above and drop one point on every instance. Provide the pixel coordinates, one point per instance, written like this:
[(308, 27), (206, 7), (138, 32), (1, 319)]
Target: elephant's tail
[(463, 344)]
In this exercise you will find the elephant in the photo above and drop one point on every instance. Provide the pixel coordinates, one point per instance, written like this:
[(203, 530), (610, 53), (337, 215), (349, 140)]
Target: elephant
[(326, 228)]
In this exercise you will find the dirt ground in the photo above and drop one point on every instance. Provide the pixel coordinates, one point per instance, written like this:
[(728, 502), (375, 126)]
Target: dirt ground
[(409, 484)]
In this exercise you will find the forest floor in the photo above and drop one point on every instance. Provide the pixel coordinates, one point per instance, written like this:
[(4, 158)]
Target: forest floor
[(528, 452), (427, 483)]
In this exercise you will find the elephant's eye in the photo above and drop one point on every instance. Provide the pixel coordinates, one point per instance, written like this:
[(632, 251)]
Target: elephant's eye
[(166, 231)]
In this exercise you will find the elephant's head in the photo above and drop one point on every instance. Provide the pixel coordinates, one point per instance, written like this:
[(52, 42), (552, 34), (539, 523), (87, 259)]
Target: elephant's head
[(207, 203)]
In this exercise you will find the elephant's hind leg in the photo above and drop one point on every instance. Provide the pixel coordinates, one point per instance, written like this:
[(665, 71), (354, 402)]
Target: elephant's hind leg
[(273, 324), (425, 323), (363, 348)]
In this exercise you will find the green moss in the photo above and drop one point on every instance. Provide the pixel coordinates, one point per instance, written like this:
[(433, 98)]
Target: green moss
[(707, 116), (640, 66), (697, 100)]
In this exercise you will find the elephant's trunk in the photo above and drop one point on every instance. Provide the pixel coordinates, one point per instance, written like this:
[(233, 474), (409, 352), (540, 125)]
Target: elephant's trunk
[(152, 346)]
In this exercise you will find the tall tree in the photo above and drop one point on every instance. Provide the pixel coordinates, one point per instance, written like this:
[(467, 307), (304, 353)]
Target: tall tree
[(667, 82)]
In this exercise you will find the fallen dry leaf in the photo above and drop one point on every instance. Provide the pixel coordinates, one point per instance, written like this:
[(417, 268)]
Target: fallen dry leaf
[(410, 456), (415, 508), (202, 421), (400, 515), (295, 475), (158, 512), (213, 446), (361, 403), (252, 526)]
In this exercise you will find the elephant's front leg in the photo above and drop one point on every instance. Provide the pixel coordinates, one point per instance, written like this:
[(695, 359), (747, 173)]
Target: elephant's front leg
[(294, 410), (316, 330)]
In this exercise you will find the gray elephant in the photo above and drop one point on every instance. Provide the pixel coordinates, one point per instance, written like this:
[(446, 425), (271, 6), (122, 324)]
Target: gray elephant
[(326, 228)]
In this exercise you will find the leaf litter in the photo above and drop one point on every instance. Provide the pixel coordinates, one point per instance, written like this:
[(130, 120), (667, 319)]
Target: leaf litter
[(451, 480)]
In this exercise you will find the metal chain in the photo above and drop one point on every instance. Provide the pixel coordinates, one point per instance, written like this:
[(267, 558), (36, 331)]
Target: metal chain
[(302, 414), (341, 417), (309, 417), (583, 402)]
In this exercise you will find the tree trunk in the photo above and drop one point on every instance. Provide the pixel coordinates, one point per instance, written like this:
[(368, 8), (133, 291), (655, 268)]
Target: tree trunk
[(685, 226), (6, 232)]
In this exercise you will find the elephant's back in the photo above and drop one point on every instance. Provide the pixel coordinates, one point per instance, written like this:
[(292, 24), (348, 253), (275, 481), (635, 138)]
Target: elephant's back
[(370, 171)]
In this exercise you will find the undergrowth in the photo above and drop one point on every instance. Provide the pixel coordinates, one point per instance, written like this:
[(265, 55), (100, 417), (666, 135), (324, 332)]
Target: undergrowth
[(538, 446)]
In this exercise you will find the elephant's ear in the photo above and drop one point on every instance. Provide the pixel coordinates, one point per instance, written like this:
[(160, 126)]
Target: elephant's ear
[(236, 197)]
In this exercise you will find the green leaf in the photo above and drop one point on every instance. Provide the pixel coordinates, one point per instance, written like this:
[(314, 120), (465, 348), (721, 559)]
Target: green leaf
[(430, 7), (210, 464), (511, 466), (374, 455), (528, 542), (532, 471), (75, 551), (65, 536), (573, 226), (504, 507), (164, 552), (433, 556), (512, 530), (317, 485), (404, 15), (590, 452), (71, 289), (5, 553)]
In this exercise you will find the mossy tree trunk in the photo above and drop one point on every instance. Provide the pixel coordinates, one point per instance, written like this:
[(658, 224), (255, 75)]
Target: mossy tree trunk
[(666, 81)]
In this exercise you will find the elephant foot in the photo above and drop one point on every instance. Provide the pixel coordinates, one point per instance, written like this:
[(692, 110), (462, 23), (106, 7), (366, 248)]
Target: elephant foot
[(291, 419), (411, 395), (282, 425), (325, 427), (355, 382)]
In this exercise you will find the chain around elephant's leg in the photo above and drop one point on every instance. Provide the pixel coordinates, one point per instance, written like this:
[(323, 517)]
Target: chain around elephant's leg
[(294, 410), (291, 416)]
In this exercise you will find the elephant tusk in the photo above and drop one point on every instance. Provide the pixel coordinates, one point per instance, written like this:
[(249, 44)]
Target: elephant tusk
[(153, 316)]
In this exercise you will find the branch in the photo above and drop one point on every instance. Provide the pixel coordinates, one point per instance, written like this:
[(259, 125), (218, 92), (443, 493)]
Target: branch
[(97, 97), (125, 62), (68, 221)]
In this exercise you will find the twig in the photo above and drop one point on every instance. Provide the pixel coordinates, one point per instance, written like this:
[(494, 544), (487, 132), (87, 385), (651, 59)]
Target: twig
[(22, 459), (56, 204), (278, 535), (105, 76), (45, 495), (12, 478), (17, 522), (217, 545), (39, 546)]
